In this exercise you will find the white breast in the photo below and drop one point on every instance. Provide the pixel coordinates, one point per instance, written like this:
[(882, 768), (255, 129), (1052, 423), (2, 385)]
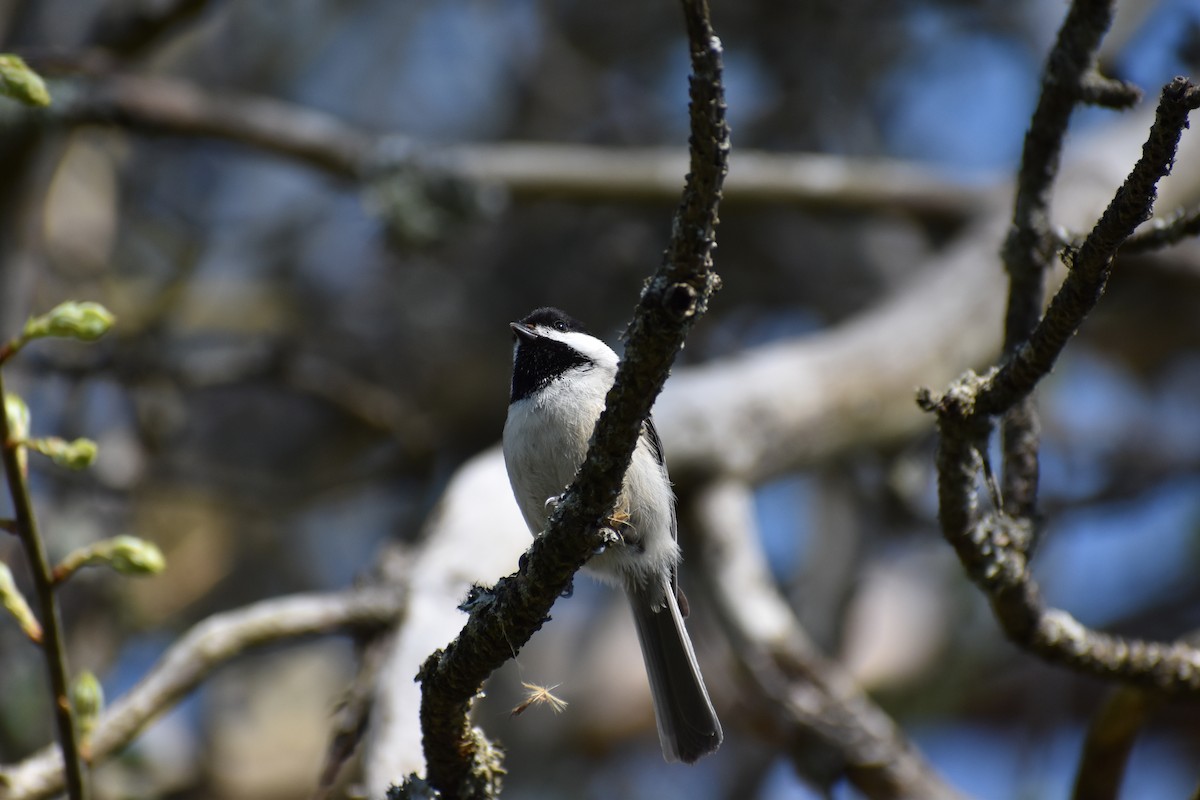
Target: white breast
[(546, 436), (545, 440)]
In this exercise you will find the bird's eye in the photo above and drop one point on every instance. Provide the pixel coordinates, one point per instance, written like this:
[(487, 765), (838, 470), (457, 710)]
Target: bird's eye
[(559, 325)]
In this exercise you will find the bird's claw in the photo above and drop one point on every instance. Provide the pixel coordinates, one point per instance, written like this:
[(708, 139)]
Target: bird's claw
[(613, 533), (610, 537)]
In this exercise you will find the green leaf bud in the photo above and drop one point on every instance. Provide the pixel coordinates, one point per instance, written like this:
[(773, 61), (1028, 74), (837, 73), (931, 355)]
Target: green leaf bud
[(130, 555), (78, 454), (21, 83), (17, 414), (86, 322), (15, 604), (87, 697)]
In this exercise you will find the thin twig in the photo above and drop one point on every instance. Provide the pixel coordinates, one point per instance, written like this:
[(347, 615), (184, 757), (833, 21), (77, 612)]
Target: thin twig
[(460, 762), (1091, 264), (1068, 79), (1028, 247), (1097, 90), (53, 644), (1160, 233)]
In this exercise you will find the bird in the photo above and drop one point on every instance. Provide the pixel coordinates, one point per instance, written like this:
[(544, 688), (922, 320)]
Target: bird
[(561, 376)]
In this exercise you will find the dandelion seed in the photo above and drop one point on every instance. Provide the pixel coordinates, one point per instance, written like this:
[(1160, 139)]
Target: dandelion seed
[(538, 695)]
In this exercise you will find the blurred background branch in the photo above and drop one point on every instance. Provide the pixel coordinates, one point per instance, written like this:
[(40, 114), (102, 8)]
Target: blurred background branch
[(1109, 743), (161, 105), (831, 729), (195, 656)]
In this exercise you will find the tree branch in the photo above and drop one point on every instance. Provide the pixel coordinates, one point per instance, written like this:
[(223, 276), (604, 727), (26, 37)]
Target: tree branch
[(993, 546), (1096, 90), (174, 107), (1069, 78), (193, 658), (1109, 741), (170, 106), (53, 643), (831, 728), (1027, 249), (459, 761), (1174, 228), (1089, 267)]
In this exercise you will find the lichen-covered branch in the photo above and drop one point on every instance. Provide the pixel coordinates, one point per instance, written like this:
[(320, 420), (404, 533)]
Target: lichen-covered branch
[(1029, 245), (1069, 78), (459, 760), (993, 546), (1090, 265)]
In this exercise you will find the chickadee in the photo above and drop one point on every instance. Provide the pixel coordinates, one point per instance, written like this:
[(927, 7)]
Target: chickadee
[(561, 376)]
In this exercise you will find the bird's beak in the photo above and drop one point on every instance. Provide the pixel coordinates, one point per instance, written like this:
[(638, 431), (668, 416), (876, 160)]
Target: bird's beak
[(523, 331)]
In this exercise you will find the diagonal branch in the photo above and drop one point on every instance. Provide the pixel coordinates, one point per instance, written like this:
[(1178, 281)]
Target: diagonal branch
[(459, 761), (1089, 267), (826, 725)]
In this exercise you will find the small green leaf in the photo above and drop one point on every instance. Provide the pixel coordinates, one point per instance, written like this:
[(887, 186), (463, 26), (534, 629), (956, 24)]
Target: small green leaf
[(86, 322), (78, 454), (15, 604), (128, 555), (21, 83)]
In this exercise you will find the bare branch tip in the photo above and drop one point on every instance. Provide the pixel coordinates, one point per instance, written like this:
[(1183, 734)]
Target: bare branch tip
[(1182, 90), (1098, 90)]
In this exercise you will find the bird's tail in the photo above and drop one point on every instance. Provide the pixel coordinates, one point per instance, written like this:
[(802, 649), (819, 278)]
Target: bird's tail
[(687, 724)]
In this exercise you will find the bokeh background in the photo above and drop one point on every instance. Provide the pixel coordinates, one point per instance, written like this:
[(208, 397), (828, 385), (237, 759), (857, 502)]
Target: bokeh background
[(302, 361)]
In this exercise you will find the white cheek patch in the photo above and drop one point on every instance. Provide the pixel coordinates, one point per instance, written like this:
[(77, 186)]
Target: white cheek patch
[(588, 346)]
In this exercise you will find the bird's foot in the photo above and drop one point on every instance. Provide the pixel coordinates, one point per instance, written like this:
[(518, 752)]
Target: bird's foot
[(609, 537), (614, 532)]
